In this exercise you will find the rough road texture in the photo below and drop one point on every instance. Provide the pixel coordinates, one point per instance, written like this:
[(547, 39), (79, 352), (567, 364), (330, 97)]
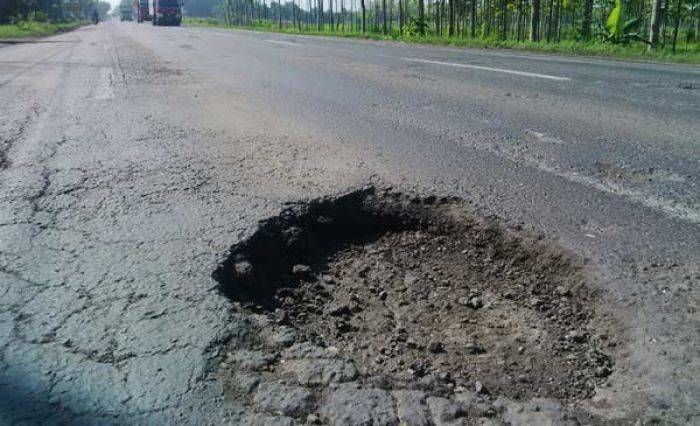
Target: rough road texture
[(115, 211), (132, 158), (411, 296)]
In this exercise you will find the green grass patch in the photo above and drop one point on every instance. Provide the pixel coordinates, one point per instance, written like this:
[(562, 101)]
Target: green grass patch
[(685, 52), (25, 29)]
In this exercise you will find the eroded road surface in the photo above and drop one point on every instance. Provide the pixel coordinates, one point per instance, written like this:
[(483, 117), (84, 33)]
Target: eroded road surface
[(135, 162)]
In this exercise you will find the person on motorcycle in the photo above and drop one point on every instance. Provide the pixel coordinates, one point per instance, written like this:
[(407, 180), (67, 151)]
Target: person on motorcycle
[(95, 17)]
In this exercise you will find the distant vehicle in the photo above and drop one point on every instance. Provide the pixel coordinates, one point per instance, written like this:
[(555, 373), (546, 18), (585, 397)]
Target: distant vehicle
[(125, 12), (167, 12), (141, 10)]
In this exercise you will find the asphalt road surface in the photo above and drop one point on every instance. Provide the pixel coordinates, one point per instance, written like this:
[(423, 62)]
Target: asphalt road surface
[(132, 157)]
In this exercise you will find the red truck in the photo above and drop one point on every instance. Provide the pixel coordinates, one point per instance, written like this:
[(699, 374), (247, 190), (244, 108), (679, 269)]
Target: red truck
[(167, 12), (141, 10)]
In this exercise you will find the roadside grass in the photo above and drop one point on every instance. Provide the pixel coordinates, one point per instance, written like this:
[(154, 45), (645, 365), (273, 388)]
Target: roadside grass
[(688, 53), (24, 29)]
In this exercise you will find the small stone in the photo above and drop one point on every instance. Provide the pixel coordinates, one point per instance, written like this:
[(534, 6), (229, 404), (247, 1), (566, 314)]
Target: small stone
[(480, 388), (445, 411), (410, 280), (349, 405), (576, 336), (563, 291), (411, 408), (603, 371), (362, 272), (338, 310), (313, 419), (475, 303), (383, 295), (284, 399), (286, 337), (435, 347), (301, 271), (474, 349), (243, 269), (535, 302)]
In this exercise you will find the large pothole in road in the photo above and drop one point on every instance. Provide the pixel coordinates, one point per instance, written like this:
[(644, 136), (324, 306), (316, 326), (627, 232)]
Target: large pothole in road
[(421, 293)]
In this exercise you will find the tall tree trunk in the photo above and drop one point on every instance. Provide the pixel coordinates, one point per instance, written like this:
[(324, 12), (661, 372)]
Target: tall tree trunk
[(321, 20), (473, 19), (385, 28), (586, 22), (655, 23), (421, 17), (550, 20), (451, 29), (362, 5), (330, 5), (504, 19), (535, 21), (676, 25)]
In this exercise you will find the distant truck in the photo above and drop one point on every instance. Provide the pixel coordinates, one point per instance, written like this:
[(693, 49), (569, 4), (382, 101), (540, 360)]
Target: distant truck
[(167, 12), (125, 12), (141, 10)]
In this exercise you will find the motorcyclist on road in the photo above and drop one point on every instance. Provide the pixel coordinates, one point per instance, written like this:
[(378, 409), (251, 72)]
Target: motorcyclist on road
[(95, 17)]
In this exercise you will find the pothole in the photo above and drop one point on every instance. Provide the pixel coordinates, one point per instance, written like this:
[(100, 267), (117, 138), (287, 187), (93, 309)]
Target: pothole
[(421, 293)]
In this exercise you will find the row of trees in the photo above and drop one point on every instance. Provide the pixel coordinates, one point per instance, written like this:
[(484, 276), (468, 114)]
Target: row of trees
[(619, 21), (44, 10)]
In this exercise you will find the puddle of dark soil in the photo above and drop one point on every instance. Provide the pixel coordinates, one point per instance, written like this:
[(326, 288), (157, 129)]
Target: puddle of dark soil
[(422, 293)]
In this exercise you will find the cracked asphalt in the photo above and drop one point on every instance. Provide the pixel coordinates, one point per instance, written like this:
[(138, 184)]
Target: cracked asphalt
[(133, 157)]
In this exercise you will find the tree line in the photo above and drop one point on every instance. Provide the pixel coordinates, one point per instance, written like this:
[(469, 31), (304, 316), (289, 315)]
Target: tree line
[(50, 10), (653, 22)]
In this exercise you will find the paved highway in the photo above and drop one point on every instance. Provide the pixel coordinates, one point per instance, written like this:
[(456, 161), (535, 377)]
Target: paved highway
[(132, 157)]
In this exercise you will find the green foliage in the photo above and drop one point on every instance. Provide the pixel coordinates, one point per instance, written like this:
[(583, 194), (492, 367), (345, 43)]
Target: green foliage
[(23, 29), (614, 22), (691, 54), (617, 30)]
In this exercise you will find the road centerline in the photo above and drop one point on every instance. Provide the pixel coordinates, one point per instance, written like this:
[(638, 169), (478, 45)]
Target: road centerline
[(479, 67)]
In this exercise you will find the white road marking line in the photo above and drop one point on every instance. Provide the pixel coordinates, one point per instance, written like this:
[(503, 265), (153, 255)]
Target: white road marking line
[(104, 84), (479, 67), (281, 42)]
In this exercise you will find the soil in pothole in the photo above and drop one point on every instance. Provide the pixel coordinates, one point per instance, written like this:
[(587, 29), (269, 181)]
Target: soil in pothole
[(421, 293)]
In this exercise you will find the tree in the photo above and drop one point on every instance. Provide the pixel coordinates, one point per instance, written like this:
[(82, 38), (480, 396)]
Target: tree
[(535, 21), (362, 5), (421, 17), (586, 21), (385, 29), (656, 19), (676, 25)]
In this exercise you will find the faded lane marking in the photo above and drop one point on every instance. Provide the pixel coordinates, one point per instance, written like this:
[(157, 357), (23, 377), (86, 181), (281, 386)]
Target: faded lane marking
[(479, 67), (281, 42), (104, 84)]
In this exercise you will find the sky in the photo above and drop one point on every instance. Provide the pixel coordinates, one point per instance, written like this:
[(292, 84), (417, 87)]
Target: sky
[(114, 3)]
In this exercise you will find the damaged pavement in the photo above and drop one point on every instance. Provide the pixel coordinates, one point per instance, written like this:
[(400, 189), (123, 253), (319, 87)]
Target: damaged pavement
[(165, 259)]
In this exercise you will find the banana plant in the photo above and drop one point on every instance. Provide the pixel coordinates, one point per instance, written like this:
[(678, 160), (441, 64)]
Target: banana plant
[(617, 30)]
